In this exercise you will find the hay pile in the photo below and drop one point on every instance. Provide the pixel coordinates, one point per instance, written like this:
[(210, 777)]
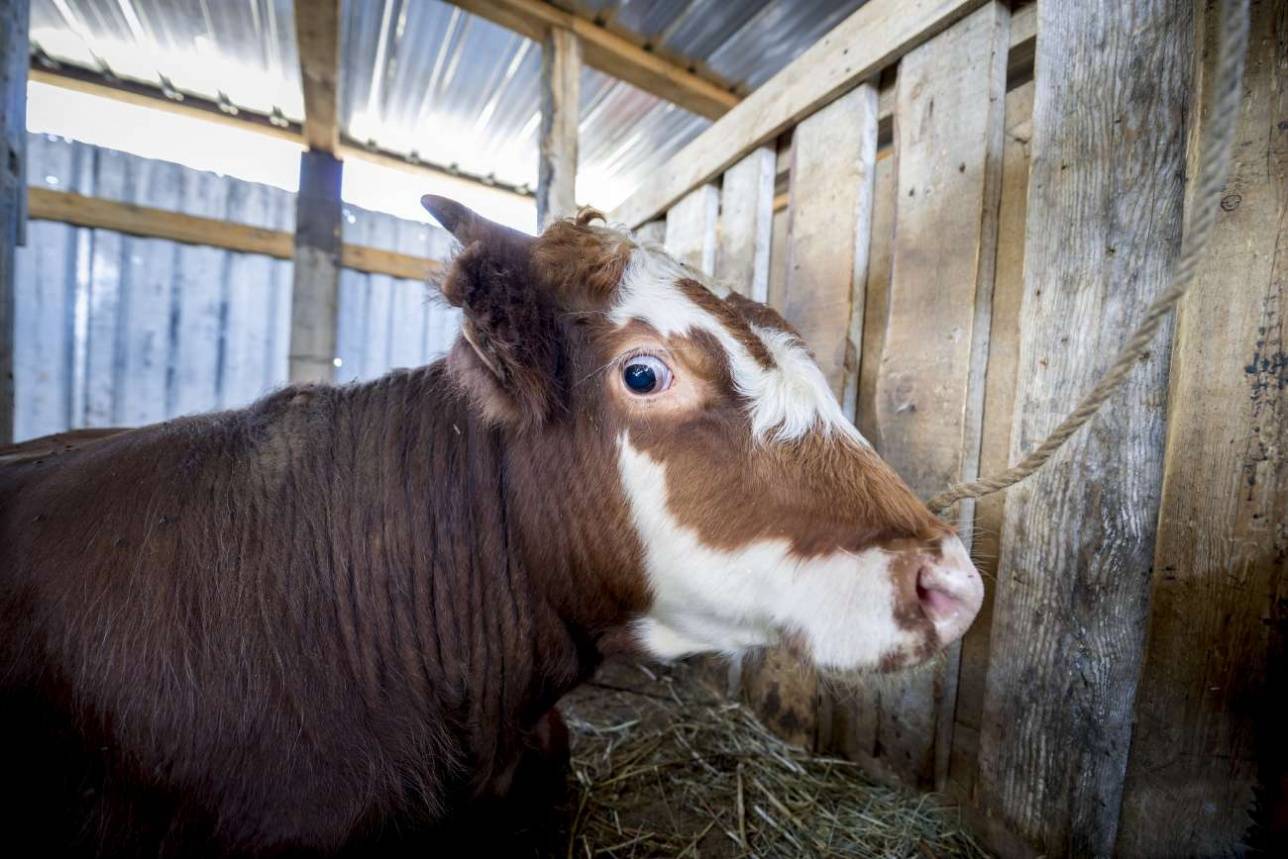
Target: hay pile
[(663, 767)]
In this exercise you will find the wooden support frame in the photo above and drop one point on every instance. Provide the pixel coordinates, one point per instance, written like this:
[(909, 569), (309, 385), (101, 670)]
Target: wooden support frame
[(317, 35), (855, 50), (610, 53), (151, 223), (560, 103), (14, 18)]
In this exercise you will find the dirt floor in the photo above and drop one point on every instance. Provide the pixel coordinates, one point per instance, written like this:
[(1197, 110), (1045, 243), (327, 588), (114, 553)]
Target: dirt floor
[(663, 766)]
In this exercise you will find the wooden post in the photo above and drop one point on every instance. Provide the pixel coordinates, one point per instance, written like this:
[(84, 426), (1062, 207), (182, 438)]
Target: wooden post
[(949, 132), (315, 294), (316, 289), (1104, 221), (560, 99), (1209, 746), (13, 186)]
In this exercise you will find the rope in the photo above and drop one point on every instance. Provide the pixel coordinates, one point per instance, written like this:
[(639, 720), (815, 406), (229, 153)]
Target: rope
[(1217, 143)]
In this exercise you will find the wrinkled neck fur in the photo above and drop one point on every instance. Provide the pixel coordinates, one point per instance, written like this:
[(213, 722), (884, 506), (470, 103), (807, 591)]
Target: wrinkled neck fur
[(440, 608)]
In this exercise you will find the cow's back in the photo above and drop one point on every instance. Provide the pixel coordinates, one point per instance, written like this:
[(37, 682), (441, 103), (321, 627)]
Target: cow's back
[(166, 634)]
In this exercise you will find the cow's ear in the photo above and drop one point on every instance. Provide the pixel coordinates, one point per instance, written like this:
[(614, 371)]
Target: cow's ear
[(508, 356)]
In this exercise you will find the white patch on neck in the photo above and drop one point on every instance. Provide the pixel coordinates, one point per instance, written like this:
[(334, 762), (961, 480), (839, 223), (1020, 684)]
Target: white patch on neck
[(711, 600), (787, 401)]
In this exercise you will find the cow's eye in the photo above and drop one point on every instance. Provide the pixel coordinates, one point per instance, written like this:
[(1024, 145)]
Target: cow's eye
[(645, 374)]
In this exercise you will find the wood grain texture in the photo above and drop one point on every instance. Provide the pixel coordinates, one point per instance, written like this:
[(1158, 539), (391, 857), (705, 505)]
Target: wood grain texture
[(929, 388), (317, 36), (856, 49), (876, 295), (560, 108), (14, 19), (691, 229), (148, 222), (1103, 231), (1210, 710), (611, 53), (746, 224), (995, 451), (833, 168)]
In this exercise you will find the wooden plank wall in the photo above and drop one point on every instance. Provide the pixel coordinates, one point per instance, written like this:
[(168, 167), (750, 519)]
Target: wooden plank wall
[(948, 132), (1103, 230), (1210, 710), (1118, 692)]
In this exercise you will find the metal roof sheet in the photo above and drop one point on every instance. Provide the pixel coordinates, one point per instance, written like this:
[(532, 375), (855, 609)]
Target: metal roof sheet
[(423, 77)]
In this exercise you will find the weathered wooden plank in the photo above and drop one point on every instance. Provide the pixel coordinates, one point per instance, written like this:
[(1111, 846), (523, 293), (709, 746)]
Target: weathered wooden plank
[(855, 711), (999, 396), (876, 294), (151, 222), (1103, 230), (832, 175), (610, 53), (691, 228), (14, 19), (746, 223), (560, 109), (930, 384), (317, 36), (1210, 709), (856, 49), (317, 269)]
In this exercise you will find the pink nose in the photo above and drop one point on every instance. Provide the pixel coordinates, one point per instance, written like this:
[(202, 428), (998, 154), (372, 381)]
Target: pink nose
[(950, 591)]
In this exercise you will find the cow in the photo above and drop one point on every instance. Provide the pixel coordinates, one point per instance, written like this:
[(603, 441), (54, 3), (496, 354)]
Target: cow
[(346, 610)]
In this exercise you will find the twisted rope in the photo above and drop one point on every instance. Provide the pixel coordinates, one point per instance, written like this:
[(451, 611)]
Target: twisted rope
[(1217, 143)]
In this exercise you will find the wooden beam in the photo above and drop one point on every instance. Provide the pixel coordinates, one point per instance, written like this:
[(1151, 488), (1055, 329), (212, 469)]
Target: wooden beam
[(196, 107), (150, 223), (14, 19), (611, 53), (317, 35), (1077, 552), (560, 102), (856, 50), (136, 220)]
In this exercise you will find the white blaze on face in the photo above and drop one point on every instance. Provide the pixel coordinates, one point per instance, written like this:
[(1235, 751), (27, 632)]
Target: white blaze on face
[(786, 401), (706, 599)]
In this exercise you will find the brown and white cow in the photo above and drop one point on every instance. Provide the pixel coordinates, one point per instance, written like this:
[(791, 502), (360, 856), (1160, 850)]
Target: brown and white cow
[(297, 624)]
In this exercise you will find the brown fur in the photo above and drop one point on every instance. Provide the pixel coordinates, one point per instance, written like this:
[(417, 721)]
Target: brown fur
[(340, 610)]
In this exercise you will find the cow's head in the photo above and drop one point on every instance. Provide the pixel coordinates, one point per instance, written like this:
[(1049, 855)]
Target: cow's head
[(694, 429)]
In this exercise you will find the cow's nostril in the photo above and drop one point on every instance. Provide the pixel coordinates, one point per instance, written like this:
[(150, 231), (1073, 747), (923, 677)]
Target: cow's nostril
[(940, 596)]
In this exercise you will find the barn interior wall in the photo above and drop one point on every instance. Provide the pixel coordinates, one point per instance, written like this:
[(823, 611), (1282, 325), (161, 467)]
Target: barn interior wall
[(117, 330)]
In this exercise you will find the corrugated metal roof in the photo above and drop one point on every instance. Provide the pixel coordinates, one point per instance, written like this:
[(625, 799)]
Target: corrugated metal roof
[(423, 77)]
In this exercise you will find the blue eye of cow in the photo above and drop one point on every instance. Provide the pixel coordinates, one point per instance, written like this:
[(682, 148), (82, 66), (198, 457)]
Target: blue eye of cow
[(645, 374)]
